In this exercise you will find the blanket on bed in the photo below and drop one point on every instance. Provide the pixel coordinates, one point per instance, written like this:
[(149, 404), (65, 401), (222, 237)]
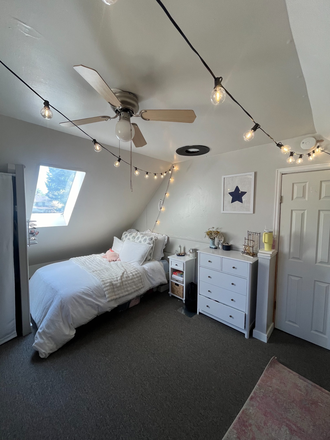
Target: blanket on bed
[(117, 278)]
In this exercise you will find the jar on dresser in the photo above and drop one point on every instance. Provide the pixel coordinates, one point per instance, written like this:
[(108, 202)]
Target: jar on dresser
[(227, 285)]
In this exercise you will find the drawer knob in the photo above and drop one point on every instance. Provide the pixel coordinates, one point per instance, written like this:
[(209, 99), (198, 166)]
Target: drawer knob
[(209, 276), (231, 316), (209, 261), (234, 267), (209, 291), (207, 306), (232, 300), (233, 284)]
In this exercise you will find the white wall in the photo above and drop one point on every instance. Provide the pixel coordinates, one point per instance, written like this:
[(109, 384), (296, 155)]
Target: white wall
[(194, 203), (105, 206)]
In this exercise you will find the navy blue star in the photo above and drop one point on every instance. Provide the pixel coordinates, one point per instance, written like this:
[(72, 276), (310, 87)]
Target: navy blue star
[(237, 195)]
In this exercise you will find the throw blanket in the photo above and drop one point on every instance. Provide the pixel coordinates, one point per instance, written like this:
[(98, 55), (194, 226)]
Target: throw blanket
[(118, 279)]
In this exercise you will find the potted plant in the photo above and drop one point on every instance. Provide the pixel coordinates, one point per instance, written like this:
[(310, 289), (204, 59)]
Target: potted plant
[(212, 234)]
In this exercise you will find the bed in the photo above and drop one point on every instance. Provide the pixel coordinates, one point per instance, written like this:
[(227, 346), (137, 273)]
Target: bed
[(68, 294)]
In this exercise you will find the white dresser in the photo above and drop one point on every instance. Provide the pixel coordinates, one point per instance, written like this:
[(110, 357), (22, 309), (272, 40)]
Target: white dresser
[(227, 286)]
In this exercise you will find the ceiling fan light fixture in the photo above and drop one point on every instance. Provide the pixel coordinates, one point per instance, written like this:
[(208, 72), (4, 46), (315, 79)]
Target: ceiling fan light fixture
[(218, 94), (124, 129)]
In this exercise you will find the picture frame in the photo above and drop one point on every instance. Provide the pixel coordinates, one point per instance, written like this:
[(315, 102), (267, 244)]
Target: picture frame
[(238, 193)]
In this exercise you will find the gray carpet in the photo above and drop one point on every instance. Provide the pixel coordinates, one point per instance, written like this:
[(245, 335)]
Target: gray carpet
[(150, 372)]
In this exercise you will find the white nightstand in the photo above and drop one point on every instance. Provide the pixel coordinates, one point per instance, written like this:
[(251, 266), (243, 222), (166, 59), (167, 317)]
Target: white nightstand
[(184, 266)]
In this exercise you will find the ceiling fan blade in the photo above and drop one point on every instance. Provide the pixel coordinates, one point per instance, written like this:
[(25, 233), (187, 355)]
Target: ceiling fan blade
[(85, 121), (138, 138), (97, 82), (168, 115)]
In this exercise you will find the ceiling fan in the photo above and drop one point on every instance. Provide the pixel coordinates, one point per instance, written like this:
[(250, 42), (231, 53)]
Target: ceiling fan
[(125, 105)]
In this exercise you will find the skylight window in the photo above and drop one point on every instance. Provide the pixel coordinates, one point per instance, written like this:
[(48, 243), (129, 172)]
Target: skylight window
[(56, 195)]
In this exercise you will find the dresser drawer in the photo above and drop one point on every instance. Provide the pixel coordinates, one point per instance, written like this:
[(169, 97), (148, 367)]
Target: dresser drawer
[(177, 264), (224, 296), (221, 311), (235, 267), (210, 261), (228, 282)]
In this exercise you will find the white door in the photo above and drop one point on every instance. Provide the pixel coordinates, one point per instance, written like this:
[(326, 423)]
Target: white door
[(303, 279)]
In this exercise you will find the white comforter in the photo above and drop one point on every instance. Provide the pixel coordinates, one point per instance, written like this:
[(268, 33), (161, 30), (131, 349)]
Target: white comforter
[(64, 296)]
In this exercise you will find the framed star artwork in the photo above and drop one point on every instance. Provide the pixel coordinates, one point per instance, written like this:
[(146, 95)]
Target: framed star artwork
[(238, 194)]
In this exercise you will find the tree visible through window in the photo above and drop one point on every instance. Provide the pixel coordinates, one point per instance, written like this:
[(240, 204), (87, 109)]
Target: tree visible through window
[(56, 193)]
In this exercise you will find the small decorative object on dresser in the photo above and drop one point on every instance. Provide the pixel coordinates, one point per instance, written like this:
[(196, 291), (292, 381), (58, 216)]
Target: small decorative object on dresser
[(181, 273), (213, 233), (227, 285)]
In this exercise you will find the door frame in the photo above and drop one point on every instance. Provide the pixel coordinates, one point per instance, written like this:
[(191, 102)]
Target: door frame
[(278, 189)]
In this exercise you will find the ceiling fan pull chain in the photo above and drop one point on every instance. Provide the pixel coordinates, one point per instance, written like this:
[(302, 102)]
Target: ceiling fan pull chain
[(131, 167)]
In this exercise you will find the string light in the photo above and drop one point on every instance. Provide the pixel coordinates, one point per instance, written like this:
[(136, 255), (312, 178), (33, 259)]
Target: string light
[(136, 172), (313, 153), (117, 163), (158, 222), (171, 180), (291, 159), (249, 135), (147, 175), (309, 157), (46, 111), (218, 94), (300, 159), (167, 194), (161, 175), (318, 150), (155, 176), (97, 146), (285, 149)]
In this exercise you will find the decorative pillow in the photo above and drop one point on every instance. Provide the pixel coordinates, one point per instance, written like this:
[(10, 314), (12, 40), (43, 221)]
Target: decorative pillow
[(132, 252), (160, 243), (129, 235), (146, 239), (110, 255), (117, 244)]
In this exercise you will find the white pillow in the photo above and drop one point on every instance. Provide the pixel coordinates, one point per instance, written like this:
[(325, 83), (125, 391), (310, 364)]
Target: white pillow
[(132, 252), (160, 243), (117, 245), (129, 235)]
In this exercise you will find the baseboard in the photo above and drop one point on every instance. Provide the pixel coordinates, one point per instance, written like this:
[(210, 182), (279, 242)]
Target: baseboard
[(263, 336)]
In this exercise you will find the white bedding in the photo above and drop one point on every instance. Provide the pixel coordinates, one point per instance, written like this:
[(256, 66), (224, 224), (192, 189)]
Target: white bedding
[(64, 296)]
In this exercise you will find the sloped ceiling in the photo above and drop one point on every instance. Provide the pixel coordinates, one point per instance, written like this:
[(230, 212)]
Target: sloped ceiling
[(134, 47), (310, 26)]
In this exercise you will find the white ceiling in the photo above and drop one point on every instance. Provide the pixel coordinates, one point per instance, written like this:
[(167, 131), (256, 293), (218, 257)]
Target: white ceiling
[(134, 47)]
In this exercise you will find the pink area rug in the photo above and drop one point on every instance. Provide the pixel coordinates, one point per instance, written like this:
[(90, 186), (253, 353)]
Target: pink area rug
[(283, 406)]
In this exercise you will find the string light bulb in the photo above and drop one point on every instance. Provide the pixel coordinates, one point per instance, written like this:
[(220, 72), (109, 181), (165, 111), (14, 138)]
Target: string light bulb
[(155, 176), (46, 111), (117, 163), (291, 159), (167, 194), (147, 175), (161, 175), (313, 153), (218, 94), (285, 149), (136, 172), (157, 222), (97, 146), (300, 159), (249, 135), (318, 150), (310, 157)]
